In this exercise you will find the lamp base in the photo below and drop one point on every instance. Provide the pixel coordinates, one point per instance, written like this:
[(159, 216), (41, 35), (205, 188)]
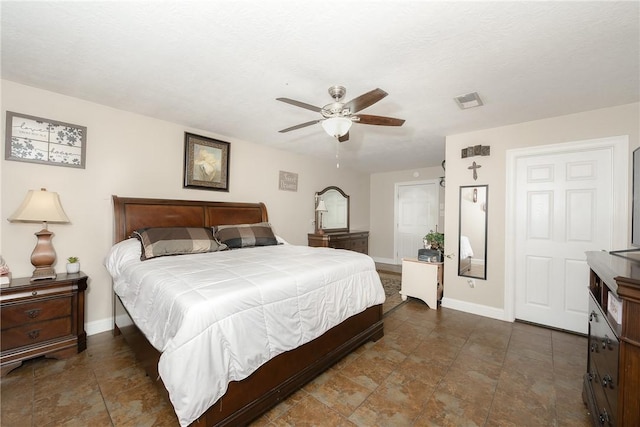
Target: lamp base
[(43, 273), (43, 257)]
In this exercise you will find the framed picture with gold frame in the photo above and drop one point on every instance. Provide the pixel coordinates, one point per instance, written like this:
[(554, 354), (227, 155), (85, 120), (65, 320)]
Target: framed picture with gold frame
[(206, 163)]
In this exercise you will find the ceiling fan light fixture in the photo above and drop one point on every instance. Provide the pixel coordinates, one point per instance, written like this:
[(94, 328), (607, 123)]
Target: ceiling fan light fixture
[(336, 126)]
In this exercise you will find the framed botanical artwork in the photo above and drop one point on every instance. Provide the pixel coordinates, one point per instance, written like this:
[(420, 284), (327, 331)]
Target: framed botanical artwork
[(206, 163), (50, 142)]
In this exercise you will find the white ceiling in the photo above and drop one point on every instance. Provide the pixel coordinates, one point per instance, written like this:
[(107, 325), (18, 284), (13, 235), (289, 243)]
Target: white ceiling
[(219, 65)]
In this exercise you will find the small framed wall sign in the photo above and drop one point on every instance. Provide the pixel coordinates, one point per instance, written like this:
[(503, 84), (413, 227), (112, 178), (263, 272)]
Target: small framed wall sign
[(50, 142), (206, 163), (476, 150), (288, 181)]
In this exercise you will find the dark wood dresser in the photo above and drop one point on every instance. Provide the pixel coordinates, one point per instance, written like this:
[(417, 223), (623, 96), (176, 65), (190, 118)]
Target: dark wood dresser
[(357, 241), (45, 317), (612, 383)]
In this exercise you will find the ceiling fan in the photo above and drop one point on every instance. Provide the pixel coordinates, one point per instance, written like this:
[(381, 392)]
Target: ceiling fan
[(338, 116)]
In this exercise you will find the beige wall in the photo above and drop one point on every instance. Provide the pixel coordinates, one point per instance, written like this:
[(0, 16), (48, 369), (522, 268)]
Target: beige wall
[(488, 295), (382, 187), (134, 155)]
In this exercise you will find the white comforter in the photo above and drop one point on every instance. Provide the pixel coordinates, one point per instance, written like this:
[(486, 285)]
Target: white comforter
[(465, 248), (217, 317)]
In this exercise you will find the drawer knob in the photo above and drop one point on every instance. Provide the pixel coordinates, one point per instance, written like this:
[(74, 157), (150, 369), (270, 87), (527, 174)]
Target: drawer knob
[(604, 417), (34, 293), (606, 342), (32, 314), (34, 334), (607, 381)]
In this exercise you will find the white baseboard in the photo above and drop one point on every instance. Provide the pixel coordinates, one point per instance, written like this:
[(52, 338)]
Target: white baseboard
[(98, 326), (473, 308), (385, 260)]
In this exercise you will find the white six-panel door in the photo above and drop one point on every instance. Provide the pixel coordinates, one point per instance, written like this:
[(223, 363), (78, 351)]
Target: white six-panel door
[(564, 207), (417, 208)]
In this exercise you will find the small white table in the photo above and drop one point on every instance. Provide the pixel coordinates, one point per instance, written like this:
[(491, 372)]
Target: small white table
[(423, 280)]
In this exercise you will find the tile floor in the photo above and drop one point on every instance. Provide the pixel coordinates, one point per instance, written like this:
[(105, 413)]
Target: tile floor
[(432, 368)]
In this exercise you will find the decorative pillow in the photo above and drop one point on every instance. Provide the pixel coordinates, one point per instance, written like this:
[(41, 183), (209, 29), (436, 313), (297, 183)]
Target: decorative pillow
[(246, 235), (163, 241)]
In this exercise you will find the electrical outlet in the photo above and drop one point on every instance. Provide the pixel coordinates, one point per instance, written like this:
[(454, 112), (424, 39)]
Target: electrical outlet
[(471, 283)]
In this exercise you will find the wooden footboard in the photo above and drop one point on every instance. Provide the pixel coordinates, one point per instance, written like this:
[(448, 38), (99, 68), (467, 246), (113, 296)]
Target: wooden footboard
[(246, 400)]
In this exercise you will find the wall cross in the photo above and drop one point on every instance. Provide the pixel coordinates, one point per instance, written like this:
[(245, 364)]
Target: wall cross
[(475, 167)]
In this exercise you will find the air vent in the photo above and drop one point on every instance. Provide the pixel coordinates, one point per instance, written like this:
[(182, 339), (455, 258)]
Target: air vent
[(468, 100)]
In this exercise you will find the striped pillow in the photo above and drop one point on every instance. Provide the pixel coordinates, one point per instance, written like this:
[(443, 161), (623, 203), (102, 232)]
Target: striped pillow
[(246, 235), (164, 241)]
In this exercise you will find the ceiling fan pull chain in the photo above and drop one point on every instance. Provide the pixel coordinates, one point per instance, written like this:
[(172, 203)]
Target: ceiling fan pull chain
[(337, 153)]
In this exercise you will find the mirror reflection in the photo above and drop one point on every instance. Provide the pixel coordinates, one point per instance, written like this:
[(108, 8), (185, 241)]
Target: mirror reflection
[(472, 252), (336, 215)]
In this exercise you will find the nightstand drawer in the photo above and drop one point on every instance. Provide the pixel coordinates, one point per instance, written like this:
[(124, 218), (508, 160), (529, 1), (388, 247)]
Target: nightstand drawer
[(41, 318), (35, 333), (22, 314)]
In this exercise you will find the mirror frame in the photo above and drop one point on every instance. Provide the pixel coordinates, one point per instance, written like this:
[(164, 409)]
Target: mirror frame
[(483, 276), (319, 194)]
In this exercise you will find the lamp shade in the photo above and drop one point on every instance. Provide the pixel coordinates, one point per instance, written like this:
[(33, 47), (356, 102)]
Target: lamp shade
[(337, 126), (40, 206), (321, 207)]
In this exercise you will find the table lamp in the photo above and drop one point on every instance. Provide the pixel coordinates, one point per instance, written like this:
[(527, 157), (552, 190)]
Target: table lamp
[(41, 206), (320, 209)]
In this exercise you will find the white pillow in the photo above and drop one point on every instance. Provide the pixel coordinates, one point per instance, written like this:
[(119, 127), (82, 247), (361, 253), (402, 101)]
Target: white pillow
[(122, 254)]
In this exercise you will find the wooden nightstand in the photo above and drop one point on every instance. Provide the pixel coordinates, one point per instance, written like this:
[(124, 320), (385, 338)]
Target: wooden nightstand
[(44, 317)]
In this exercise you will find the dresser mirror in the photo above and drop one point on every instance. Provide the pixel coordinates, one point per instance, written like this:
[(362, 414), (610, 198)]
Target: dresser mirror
[(336, 216), (472, 250)]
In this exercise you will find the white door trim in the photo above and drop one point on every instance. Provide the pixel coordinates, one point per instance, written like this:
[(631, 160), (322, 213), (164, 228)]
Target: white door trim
[(396, 195), (619, 145)]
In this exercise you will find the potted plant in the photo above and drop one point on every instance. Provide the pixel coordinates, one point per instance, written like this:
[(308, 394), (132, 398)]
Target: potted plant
[(73, 264), (435, 239)]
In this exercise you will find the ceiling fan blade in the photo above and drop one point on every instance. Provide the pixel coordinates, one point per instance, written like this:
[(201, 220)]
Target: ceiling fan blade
[(300, 104), (365, 100), (300, 126), (367, 119), (344, 137)]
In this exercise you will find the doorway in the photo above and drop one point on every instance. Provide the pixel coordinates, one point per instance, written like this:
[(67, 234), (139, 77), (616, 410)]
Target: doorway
[(563, 200), (416, 212)]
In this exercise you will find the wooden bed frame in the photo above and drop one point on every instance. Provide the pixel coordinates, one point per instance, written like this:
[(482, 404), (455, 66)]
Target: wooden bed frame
[(244, 400)]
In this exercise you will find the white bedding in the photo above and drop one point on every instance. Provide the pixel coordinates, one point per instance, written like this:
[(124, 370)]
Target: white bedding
[(216, 317), (465, 248)]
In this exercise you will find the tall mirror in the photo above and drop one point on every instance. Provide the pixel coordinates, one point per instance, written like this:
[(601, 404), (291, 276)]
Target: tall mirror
[(334, 215), (472, 252)]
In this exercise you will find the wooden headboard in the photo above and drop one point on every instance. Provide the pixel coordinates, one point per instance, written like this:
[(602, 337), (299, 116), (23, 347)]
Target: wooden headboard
[(132, 213)]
